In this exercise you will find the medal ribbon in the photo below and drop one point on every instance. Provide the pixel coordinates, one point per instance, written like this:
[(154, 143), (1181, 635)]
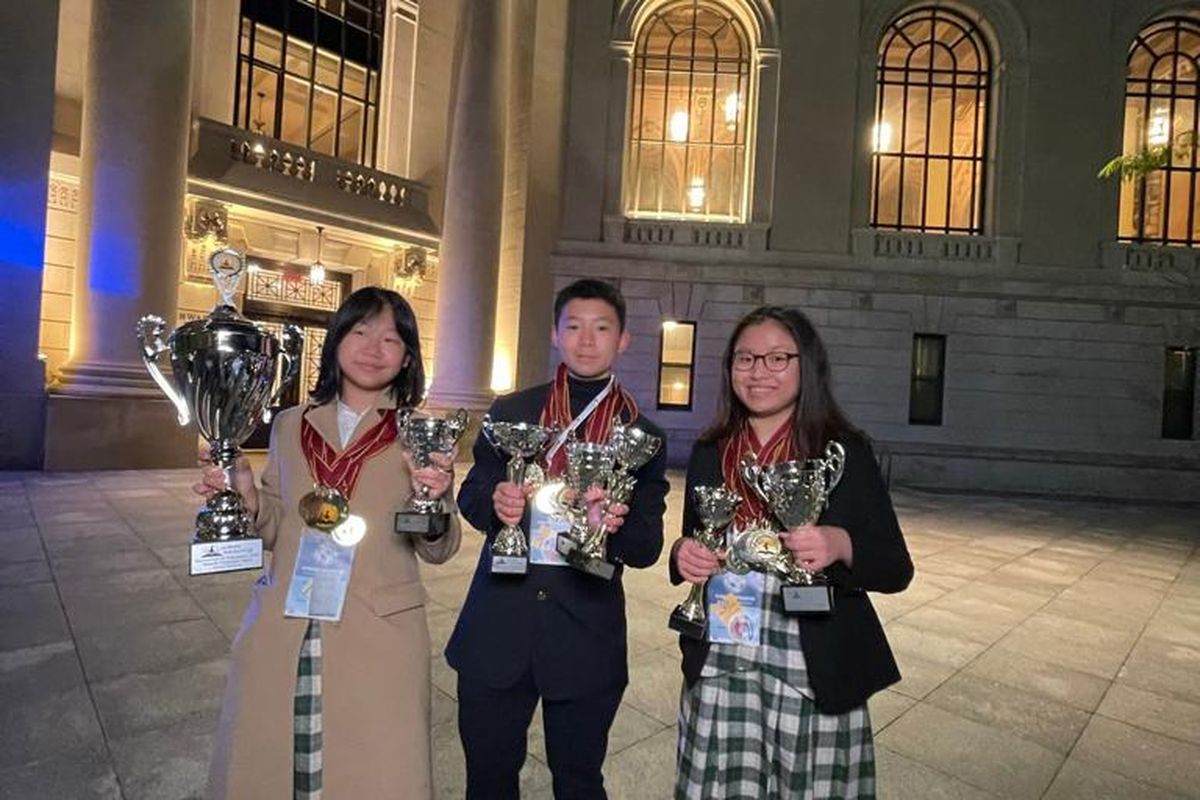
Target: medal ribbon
[(341, 470), (596, 420), (780, 447)]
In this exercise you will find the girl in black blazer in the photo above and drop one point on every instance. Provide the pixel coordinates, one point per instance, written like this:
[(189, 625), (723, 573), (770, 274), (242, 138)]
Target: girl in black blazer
[(774, 704)]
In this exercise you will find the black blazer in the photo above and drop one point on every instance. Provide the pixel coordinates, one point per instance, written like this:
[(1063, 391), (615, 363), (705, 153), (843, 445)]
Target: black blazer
[(847, 653), (565, 625)]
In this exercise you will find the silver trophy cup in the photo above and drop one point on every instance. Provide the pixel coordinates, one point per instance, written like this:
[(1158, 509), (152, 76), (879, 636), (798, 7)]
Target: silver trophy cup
[(422, 436), (588, 464), (521, 442), (796, 493), (716, 507), (632, 448), (221, 372)]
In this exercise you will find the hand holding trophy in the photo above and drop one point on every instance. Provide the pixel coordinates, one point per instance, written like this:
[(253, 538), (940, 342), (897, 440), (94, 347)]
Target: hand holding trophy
[(521, 442), (422, 436), (221, 373), (629, 448), (716, 506), (796, 493)]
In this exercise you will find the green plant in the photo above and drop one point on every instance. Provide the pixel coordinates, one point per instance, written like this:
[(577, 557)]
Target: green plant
[(1149, 159)]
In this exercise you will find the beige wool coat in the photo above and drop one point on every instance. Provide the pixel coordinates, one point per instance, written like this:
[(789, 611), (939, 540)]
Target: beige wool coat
[(375, 661)]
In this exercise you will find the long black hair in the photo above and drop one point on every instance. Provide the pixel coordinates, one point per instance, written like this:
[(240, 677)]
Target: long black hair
[(817, 418), (408, 387)]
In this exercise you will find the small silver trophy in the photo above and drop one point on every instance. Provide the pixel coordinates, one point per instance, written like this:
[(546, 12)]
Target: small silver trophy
[(222, 370), (796, 493), (716, 506), (588, 464), (421, 436), (521, 442), (584, 547)]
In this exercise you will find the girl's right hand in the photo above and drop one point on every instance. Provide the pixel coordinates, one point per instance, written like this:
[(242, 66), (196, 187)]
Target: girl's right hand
[(212, 480), (508, 500), (695, 561)]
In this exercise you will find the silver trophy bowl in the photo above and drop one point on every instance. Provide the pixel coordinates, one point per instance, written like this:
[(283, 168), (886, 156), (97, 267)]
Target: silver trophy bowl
[(423, 436), (221, 370), (521, 442)]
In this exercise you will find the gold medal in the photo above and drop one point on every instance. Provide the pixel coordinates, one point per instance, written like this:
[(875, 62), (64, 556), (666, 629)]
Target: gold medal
[(324, 508)]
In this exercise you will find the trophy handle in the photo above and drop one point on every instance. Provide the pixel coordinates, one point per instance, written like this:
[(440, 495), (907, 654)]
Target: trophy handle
[(455, 425), (752, 474), (290, 350), (150, 330), (835, 464)]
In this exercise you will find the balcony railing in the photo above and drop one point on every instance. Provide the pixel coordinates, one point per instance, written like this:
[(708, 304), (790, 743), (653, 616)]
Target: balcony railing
[(244, 167)]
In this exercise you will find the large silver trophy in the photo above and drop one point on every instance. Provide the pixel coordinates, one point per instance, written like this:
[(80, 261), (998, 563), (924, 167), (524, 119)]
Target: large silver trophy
[(716, 506), (521, 442), (221, 372), (796, 493), (585, 547), (422, 436)]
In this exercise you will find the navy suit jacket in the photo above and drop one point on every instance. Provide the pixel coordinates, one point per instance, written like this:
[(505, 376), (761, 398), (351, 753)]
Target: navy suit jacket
[(565, 626)]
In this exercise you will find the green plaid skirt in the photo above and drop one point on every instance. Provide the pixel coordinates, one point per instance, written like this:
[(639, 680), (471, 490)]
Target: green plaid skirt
[(749, 735), (306, 726)]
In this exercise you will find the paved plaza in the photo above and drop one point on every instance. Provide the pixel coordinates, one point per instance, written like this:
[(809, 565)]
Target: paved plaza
[(1050, 649)]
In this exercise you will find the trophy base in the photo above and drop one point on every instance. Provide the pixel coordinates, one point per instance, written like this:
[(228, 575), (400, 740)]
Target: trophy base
[(814, 599), (687, 626), (509, 565), (571, 550), (227, 555), (429, 527)]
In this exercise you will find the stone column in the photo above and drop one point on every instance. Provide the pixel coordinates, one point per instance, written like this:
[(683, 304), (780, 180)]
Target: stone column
[(133, 173), (469, 264), (28, 43)]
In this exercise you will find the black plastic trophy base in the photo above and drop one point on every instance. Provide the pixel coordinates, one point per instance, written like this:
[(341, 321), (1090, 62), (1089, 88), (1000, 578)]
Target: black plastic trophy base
[(226, 555), (429, 527), (687, 626), (570, 549), (509, 565), (814, 599)]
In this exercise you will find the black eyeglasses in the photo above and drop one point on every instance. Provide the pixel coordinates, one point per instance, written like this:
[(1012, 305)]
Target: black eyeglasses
[(774, 362)]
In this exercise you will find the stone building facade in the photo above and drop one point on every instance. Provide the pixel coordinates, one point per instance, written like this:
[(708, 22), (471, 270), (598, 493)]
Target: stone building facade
[(1025, 326)]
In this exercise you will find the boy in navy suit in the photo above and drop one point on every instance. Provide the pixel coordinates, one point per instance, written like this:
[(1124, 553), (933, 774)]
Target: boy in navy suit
[(555, 633)]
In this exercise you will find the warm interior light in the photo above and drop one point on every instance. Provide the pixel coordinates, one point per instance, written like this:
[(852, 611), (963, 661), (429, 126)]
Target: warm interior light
[(253, 266), (669, 325), (679, 126), (733, 107), (316, 273), (881, 137), (502, 371), (679, 386), (696, 194), (1159, 130)]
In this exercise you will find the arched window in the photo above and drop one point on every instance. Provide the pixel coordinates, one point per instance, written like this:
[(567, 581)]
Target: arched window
[(1161, 88), (689, 109), (929, 140)]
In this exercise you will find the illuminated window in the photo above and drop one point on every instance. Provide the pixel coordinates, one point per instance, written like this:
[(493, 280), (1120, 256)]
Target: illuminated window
[(929, 138), (1179, 393), (1161, 87), (928, 379), (308, 73), (688, 114), (675, 365)]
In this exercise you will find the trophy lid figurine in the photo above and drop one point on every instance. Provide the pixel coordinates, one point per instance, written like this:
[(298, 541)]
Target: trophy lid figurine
[(222, 368)]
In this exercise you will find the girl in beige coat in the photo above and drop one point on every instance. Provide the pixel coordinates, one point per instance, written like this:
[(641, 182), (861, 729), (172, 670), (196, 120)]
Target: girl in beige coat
[(366, 677)]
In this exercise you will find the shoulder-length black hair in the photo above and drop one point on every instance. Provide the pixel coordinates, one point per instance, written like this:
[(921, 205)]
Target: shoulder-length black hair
[(818, 418), (408, 388)]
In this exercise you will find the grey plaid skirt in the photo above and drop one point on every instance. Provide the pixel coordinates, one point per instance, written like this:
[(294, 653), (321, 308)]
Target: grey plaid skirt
[(306, 727), (749, 735)]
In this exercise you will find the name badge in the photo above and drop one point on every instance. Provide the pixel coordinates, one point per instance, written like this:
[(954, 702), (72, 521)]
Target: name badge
[(735, 604), (547, 519), (320, 578)]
